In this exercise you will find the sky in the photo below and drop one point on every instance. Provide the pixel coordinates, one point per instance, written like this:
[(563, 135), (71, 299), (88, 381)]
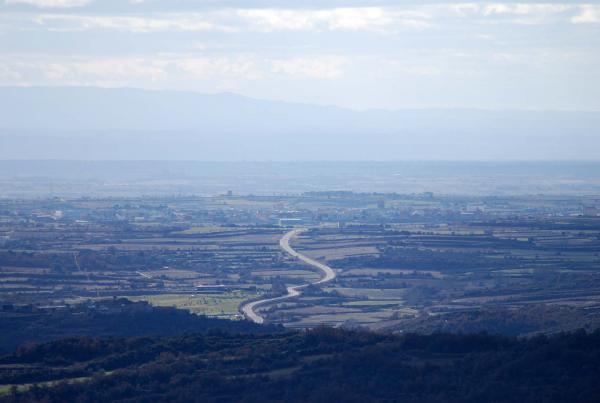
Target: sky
[(360, 54)]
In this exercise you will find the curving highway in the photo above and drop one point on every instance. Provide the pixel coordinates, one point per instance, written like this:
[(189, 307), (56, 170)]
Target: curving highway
[(292, 291)]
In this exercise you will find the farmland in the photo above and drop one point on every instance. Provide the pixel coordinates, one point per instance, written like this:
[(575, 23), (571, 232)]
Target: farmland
[(402, 261)]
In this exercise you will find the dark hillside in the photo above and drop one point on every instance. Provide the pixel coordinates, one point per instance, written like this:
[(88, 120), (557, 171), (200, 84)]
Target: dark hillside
[(319, 365), (118, 318)]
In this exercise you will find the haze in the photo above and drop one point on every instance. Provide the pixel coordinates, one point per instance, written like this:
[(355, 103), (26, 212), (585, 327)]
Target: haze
[(227, 80)]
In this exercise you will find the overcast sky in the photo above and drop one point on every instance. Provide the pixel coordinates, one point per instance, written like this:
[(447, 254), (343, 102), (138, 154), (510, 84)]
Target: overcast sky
[(359, 54)]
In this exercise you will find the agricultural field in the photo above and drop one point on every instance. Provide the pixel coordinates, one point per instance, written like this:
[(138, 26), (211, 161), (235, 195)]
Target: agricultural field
[(399, 259), (221, 305)]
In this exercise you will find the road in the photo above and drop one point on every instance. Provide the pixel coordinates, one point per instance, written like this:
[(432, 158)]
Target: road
[(292, 291), (144, 275)]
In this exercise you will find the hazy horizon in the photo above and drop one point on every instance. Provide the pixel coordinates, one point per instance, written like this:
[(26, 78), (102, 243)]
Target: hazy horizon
[(264, 80), (131, 124), (44, 178), (298, 103)]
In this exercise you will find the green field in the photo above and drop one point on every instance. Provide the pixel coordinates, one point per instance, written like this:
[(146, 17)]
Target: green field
[(373, 303), (221, 305), (6, 389)]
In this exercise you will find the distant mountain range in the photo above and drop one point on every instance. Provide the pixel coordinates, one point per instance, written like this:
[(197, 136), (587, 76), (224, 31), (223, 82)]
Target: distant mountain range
[(130, 124)]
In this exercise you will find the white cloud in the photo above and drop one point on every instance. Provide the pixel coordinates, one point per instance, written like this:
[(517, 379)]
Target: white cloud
[(463, 9), (346, 19), (8, 74), (350, 55), (123, 23), (121, 68), (507, 12), (589, 14), (394, 67), (526, 9), (529, 14), (165, 69), (320, 67), (372, 19), (383, 20), (81, 71), (51, 3), (205, 67)]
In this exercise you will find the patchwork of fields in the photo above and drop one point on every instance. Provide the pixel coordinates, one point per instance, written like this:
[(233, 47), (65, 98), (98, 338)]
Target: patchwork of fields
[(399, 259)]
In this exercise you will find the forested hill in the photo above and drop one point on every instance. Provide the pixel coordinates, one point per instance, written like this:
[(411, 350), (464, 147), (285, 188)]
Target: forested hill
[(318, 365), (105, 318)]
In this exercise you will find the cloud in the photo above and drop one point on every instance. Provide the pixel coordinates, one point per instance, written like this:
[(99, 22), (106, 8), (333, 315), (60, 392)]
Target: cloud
[(342, 19), (320, 68), (526, 9), (589, 14), (237, 20), (381, 20), (125, 23), (242, 67), (121, 68), (164, 69), (529, 14), (51, 3), (361, 55), (80, 71), (8, 74), (388, 67)]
